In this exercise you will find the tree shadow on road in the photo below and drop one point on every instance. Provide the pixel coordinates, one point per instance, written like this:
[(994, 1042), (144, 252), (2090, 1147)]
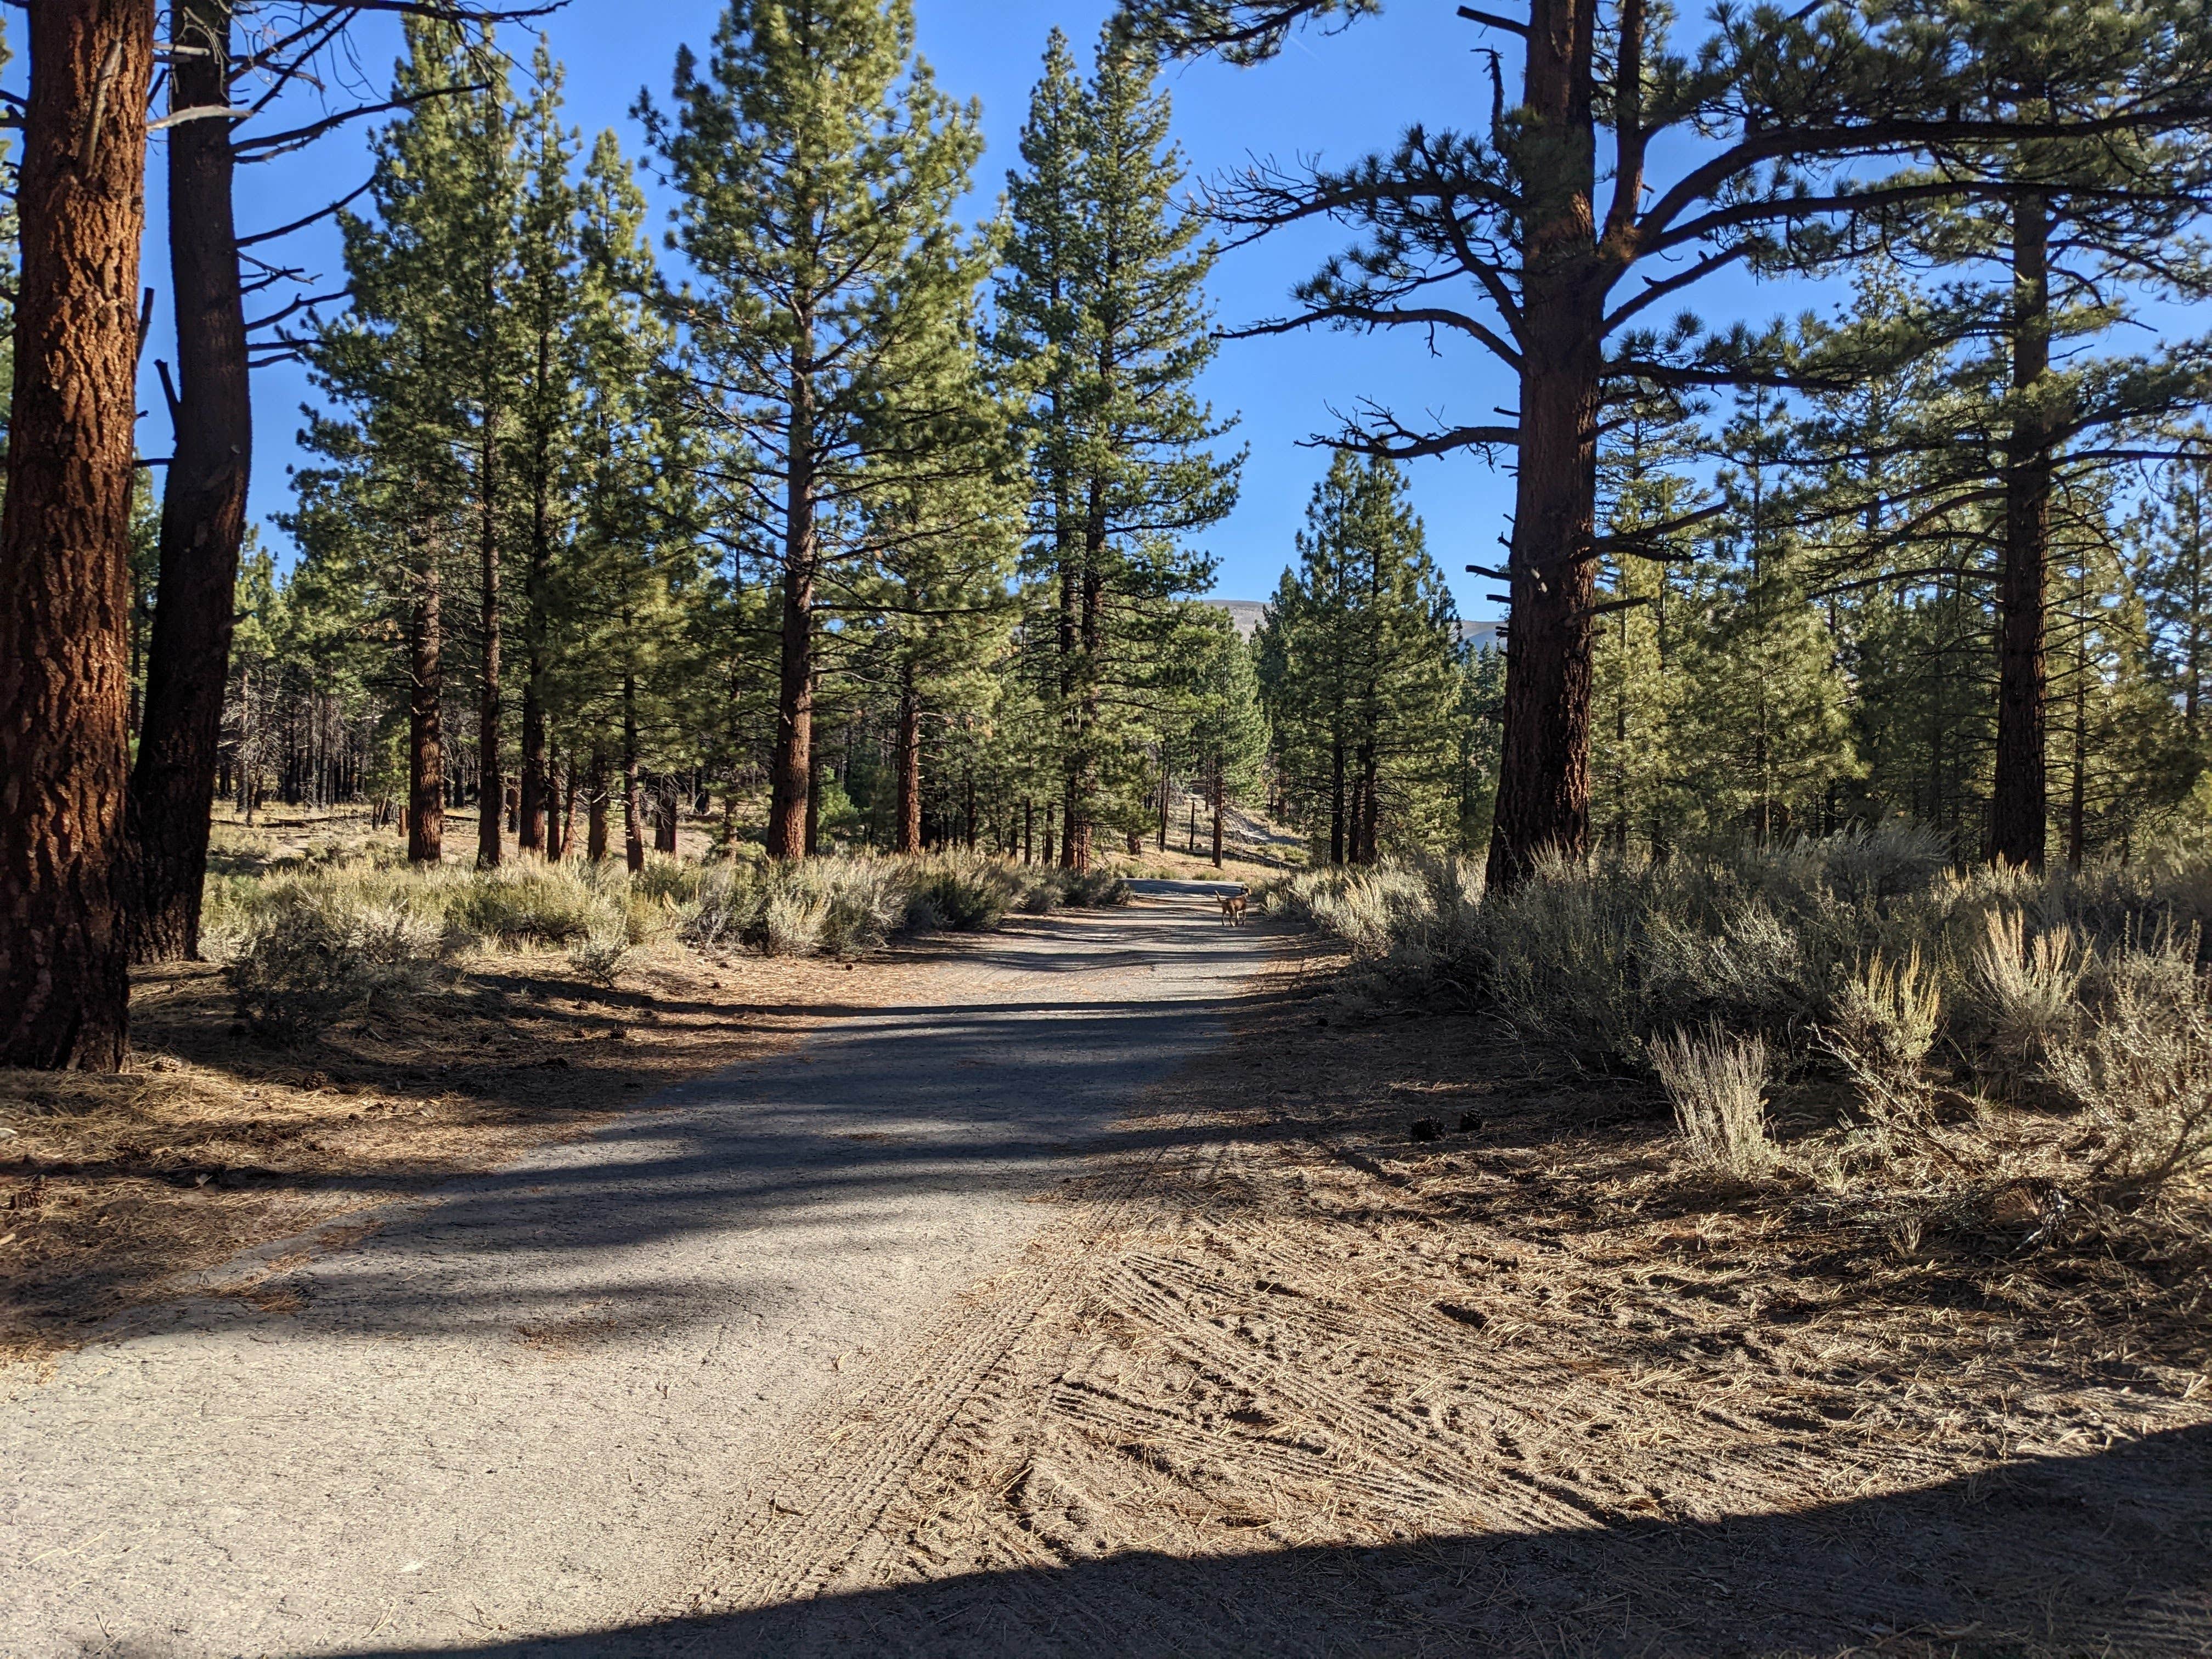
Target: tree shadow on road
[(2104, 1554)]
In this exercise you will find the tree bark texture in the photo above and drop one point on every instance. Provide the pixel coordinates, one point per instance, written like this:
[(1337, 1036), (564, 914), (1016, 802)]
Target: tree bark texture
[(633, 807), (202, 510), (535, 796), (1543, 791), (908, 835), (426, 733), (2018, 793), (595, 834), (64, 539)]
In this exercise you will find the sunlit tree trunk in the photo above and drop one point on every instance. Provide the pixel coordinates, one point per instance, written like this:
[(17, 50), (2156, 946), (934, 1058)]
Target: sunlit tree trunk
[(64, 539)]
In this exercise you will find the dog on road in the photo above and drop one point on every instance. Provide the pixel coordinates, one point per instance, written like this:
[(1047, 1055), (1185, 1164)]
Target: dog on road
[(1232, 907)]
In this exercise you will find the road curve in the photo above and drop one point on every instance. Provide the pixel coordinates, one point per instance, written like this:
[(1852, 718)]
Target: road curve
[(514, 1409)]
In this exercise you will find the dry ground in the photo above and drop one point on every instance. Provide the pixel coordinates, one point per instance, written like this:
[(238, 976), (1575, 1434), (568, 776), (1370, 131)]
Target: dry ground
[(1527, 1387), (114, 1190)]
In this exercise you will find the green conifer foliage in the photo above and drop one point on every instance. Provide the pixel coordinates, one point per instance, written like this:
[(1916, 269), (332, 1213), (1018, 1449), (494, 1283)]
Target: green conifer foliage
[(1360, 656), (1764, 740), (1104, 299), (1647, 494), (2172, 570), (818, 165)]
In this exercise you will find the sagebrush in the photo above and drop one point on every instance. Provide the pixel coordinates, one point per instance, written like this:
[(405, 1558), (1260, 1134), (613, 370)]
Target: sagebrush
[(1867, 953)]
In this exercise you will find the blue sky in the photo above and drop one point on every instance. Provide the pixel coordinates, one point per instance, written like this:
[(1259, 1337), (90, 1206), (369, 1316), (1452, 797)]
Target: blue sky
[(1338, 96)]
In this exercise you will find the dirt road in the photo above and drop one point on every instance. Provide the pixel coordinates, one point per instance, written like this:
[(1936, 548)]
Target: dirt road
[(530, 1406)]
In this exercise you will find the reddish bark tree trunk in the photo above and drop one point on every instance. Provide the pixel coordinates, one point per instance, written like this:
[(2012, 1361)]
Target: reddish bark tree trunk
[(64, 539), (595, 835), (426, 730), (534, 795), (633, 808), (202, 510), (813, 800), (2019, 795), (1543, 791), (908, 834)]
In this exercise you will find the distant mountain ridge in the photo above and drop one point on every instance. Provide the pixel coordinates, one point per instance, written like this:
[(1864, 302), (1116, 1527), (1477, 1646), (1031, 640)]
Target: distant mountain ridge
[(1248, 614)]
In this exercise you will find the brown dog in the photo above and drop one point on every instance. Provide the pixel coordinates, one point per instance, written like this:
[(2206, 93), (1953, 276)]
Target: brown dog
[(1232, 907)]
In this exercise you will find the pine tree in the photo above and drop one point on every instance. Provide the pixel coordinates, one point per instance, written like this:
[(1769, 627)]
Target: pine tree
[(1782, 134), (1360, 653), (636, 511), (546, 297), (2120, 760), (1105, 295), (1224, 728), (1764, 738), (1647, 496), (2172, 570), (817, 165), (204, 516)]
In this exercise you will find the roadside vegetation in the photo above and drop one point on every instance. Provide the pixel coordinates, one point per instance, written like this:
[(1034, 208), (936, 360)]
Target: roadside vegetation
[(308, 945), (1850, 1016)]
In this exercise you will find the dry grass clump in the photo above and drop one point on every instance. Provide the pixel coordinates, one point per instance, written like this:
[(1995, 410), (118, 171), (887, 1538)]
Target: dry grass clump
[(2143, 1070), (1885, 1019), (1718, 1084), (844, 907), (2024, 985), (309, 953), (1865, 956)]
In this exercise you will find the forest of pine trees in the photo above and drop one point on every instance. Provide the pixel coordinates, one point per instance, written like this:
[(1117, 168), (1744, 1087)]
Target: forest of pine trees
[(838, 523)]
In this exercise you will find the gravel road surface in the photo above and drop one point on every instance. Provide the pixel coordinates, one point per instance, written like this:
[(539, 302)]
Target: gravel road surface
[(520, 1407)]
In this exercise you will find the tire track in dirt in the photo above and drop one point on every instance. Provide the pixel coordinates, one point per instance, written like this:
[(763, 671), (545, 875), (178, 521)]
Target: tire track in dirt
[(1286, 1337)]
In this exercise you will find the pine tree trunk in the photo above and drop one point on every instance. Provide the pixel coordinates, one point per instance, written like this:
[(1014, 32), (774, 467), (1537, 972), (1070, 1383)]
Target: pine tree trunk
[(559, 815), (908, 835), (595, 833), (1028, 830), (203, 511), (1543, 786), (1219, 794), (813, 800), (65, 538), (491, 791), (426, 737), (665, 820), (1336, 802), (790, 773), (633, 805), (2019, 794), (2077, 811), (533, 797), (1083, 781), (1048, 809)]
